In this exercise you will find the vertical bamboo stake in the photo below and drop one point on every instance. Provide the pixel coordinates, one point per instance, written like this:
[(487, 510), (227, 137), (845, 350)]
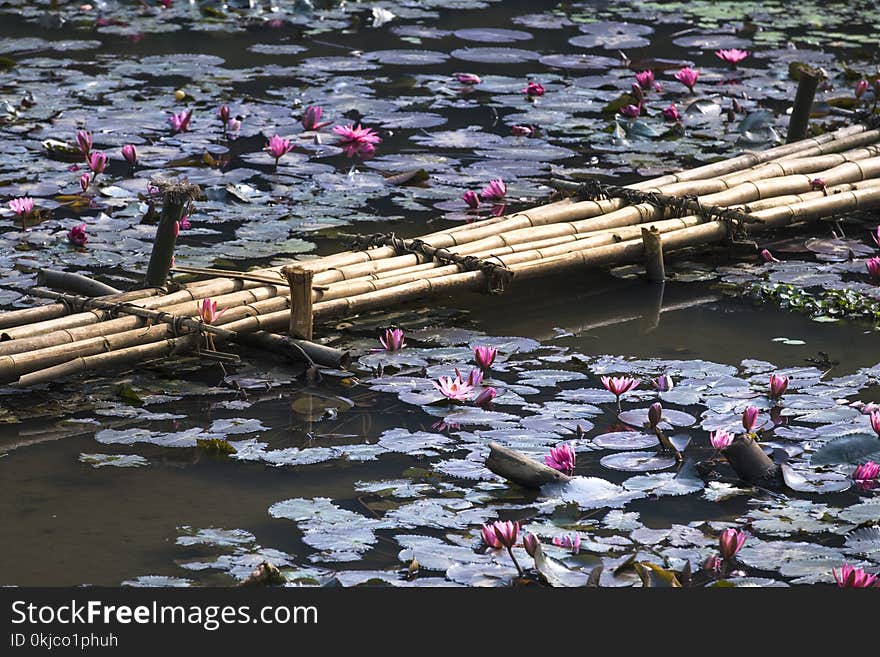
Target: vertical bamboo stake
[(654, 266), (803, 104), (301, 313), (175, 199)]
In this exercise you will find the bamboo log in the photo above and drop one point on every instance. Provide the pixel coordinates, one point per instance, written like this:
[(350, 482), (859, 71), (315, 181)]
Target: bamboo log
[(13, 318)]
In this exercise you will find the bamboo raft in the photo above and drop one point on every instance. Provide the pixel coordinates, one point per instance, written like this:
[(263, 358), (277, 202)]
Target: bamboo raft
[(597, 225)]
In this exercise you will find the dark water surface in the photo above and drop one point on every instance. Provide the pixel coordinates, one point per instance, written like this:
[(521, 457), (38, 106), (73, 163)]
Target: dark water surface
[(186, 516)]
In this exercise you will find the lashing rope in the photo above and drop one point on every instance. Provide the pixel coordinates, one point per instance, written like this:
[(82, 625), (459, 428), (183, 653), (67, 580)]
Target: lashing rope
[(497, 275), (677, 206)]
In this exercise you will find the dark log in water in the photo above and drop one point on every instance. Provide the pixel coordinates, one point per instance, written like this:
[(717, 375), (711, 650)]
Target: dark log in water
[(75, 283), (520, 469), (751, 463)]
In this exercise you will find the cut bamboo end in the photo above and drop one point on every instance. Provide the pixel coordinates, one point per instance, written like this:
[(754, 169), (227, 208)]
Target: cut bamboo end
[(302, 316)]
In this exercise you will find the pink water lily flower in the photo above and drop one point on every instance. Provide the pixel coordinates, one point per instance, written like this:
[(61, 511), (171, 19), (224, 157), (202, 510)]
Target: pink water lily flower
[(84, 181), (730, 543), (562, 458), (485, 356), (663, 383), (522, 130), (688, 77), (84, 141), (470, 197), (569, 541), (506, 532), (180, 121), (97, 162), (22, 206), (873, 265), (861, 88), (619, 385), (489, 537), (849, 577), (224, 114), (357, 140), (732, 56), (467, 78), (720, 439), (866, 475), (474, 377), (486, 396), (234, 125), (278, 147), (645, 79), (130, 154), (494, 191), (454, 388), (208, 311), (631, 111), (875, 422), (766, 256), (778, 385), (392, 340), (533, 89), (77, 235), (530, 543), (671, 113), (311, 119), (749, 418)]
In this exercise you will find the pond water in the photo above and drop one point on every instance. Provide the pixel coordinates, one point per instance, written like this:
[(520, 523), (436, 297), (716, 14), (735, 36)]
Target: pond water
[(351, 479)]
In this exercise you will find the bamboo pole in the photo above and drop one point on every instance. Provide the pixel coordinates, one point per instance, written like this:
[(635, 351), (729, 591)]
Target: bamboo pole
[(526, 252), (623, 251), (443, 282), (847, 137)]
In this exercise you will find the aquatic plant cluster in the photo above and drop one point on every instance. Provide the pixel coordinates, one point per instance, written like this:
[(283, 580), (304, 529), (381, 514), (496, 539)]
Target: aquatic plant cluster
[(300, 139)]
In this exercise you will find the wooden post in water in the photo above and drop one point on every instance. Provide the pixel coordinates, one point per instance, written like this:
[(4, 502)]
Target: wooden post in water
[(175, 199), (302, 316), (654, 266), (803, 104)]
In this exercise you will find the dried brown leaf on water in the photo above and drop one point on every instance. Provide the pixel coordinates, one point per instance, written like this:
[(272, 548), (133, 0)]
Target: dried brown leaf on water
[(263, 575)]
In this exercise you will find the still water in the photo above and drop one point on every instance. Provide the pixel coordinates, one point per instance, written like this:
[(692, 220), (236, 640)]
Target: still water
[(180, 515)]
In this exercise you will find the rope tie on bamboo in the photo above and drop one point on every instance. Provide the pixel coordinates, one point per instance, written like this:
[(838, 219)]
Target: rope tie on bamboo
[(497, 275), (678, 206)]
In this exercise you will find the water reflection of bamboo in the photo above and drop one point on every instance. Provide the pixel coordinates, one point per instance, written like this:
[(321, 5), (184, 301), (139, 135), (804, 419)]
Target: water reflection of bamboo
[(776, 186)]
